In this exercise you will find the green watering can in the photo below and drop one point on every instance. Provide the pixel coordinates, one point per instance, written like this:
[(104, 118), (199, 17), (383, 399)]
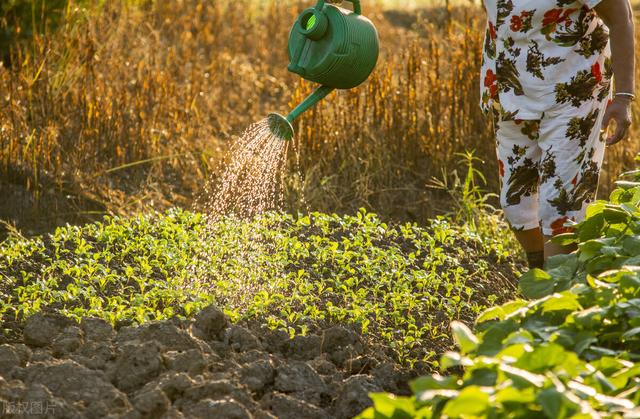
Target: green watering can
[(334, 47)]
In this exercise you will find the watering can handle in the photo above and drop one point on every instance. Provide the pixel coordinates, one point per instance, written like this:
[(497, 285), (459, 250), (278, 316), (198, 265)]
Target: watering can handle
[(357, 8)]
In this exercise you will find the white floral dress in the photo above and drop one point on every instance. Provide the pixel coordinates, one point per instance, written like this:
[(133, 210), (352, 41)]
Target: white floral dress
[(546, 77)]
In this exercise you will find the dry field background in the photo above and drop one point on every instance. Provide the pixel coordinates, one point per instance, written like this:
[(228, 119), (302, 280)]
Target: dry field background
[(130, 107)]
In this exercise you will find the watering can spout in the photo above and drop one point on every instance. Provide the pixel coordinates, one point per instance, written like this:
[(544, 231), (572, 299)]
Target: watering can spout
[(282, 127), (333, 47)]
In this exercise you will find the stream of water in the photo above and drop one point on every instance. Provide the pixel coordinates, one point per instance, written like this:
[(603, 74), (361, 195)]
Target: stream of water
[(252, 180)]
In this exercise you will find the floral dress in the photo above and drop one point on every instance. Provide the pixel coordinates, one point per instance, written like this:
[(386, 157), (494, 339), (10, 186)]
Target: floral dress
[(546, 78)]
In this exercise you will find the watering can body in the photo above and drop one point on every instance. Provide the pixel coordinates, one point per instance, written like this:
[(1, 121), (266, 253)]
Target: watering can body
[(334, 47)]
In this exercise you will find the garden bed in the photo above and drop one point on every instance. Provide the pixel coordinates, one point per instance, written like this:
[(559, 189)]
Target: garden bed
[(317, 311)]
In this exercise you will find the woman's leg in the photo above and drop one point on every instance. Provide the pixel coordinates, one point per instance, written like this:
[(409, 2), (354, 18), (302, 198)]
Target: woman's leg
[(533, 243), (518, 157), (573, 151)]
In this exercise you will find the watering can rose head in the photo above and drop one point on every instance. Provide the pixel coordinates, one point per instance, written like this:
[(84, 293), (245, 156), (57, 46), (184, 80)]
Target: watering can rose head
[(332, 46)]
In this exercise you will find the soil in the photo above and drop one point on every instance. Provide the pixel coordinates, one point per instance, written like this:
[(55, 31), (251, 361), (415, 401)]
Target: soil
[(200, 368)]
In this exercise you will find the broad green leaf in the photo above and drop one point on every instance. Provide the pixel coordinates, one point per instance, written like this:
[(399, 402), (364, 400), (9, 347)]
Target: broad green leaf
[(565, 239), (590, 249), (562, 268), (542, 358), (433, 382), (492, 313), (583, 341), (523, 378), (595, 208), (513, 306), (625, 184), (494, 335), (483, 377), (602, 263), (630, 285), (471, 401), (631, 245), (513, 395), (615, 215), (591, 228), (430, 395), (536, 283), (521, 336), (454, 359), (561, 301), (513, 351), (464, 337), (554, 404), (631, 334), (391, 406)]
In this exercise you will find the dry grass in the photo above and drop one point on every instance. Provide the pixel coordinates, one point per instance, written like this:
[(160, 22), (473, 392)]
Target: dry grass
[(127, 108)]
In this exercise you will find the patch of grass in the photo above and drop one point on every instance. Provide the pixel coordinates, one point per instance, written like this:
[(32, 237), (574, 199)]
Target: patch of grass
[(401, 285)]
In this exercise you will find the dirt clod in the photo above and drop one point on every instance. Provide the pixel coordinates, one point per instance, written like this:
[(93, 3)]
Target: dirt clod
[(136, 365), (338, 337), (192, 361), (96, 329), (287, 407), (191, 369), (298, 376), (174, 384), (226, 408), (68, 341), (257, 375), (75, 383), (211, 322), (41, 329), (168, 335), (151, 403), (9, 359), (353, 395), (241, 339)]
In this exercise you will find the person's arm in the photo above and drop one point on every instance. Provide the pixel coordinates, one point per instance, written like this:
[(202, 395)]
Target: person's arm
[(618, 16)]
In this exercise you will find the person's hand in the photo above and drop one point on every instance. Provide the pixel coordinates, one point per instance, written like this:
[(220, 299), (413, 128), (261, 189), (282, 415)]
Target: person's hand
[(618, 111)]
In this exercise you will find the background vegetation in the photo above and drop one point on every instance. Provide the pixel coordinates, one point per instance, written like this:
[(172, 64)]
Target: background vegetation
[(115, 108)]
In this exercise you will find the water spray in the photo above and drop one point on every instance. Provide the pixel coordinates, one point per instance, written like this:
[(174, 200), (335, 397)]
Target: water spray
[(332, 46)]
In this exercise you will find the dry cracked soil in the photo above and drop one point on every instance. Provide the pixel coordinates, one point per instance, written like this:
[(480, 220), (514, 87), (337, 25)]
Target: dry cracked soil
[(200, 368)]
